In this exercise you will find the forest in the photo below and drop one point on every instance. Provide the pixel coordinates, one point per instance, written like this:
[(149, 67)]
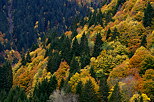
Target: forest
[(76, 51)]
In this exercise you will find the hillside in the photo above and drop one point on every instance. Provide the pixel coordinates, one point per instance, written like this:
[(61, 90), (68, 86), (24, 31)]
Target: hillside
[(105, 56)]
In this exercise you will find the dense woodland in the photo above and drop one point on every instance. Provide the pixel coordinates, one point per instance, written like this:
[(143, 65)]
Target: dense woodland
[(76, 51)]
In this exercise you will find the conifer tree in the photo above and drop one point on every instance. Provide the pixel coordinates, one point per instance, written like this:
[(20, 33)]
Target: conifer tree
[(103, 89), (28, 57), (23, 61), (79, 88), (92, 72), (75, 47), (143, 41), (74, 65), (98, 45), (61, 84), (115, 34), (108, 34), (148, 15), (6, 77), (115, 95), (88, 93)]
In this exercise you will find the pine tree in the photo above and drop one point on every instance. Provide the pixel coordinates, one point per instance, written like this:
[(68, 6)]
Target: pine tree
[(74, 65), (115, 34), (143, 41), (148, 15), (103, 89), (23, 61), (92, 72), (88, 93), (115, 95), (79, 88), (98, 45), (6, 77), (61, 84), (28, 57), (75, 47), (108, 34)]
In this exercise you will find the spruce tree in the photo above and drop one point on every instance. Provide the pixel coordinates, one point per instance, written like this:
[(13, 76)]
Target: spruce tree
[(98, 45), (92, 72), (115, 95), (103, 89), (28, 57), (79, 88), (74, 65), (23, 61), (6, 77), (115, 34), (75, 47), (88, 93), (61, 84), (148, 15), (108, 34), (143, 41)]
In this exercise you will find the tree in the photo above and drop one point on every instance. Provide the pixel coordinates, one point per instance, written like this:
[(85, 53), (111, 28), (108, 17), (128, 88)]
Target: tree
[(98, 45), (144, 41), (88, 94), (6, 77), (108, 34), (103, 89), (28, 57), (115, 34), (23, 61), (148, 15), (115, 96), (92, 72), (16, 94), (79, 88), (61, 84), (74, 65), (75, 47), (53, 62)]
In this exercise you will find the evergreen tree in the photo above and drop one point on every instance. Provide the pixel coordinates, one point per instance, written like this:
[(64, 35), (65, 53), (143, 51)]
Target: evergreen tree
[(88, 93), (115, 96), (103, 89), (148, 15), (23, 61), (98, 45), (53, 62), (92, 72), (79, 88), (28, 57), (75, 47), (143, 41), (115, 34), (3, 95), (61, 84), (74, 65), (108, 34), (16, 94), (6, 77)]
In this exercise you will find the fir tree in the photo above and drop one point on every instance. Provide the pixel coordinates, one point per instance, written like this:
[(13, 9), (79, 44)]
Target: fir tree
[(98, 45), (115, 34), (28, 57), (74, 65), (88, 93), (148, 15), (108, 34), (61, 84), (143, 41), (6, 77), (79, 88), (103, 89), (75, 47), (92, 72), (23, 61), (115, 95)]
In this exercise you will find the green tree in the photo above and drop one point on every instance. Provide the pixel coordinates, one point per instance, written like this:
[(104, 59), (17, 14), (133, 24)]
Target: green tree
[(98, 45), (92, 72), (88, 93), (115, 34), (115, 96), (74, 65), (61, 83), (79, 88), (75, 47), (103, 89), (143, 41), (28, 57), (6, 77), (148, 15), (16, 94), (108, 34)]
